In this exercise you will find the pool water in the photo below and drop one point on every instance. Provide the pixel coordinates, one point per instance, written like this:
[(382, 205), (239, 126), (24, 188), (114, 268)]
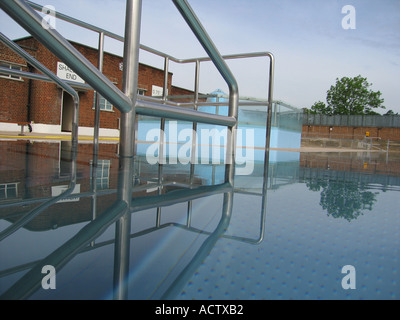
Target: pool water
[(324, 211)]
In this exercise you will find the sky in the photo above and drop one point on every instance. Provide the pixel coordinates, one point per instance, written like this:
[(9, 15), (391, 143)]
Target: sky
[(307, 38)]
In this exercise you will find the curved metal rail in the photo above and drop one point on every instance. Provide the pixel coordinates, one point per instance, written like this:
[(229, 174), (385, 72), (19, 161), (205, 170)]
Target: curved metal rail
[(127, 103), (74, 137)]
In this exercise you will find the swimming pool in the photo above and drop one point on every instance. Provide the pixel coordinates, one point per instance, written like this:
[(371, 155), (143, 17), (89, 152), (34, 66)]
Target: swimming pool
[(323, 211)]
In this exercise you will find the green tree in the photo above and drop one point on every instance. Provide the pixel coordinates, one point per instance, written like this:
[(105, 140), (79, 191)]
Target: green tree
[(343, 199), (320, 108), (351, 96), (391, 113)]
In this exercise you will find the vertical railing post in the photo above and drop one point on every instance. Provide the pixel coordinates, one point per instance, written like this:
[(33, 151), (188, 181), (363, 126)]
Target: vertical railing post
[(97, 103), (194, 139), (267, 142), (162, 149), (74, 137), (166, 78), (96, 130), (270, 106), (219, 62), (194, 127), (127, 148)]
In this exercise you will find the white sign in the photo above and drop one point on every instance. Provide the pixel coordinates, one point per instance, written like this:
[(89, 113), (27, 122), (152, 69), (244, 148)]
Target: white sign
[(66, 73), (157, 91), (57, 190)]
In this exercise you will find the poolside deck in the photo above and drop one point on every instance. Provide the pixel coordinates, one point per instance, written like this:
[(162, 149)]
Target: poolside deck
[(88, 139)]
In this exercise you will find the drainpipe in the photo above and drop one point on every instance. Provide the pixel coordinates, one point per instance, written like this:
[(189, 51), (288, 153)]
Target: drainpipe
[(29, 105)]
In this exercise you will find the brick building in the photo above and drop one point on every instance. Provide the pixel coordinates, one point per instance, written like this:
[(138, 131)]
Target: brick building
[(45, 105)]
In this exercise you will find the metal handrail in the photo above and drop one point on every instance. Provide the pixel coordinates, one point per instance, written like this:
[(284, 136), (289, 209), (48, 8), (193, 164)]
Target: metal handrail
[(79, 62), (77, 22), (148, 108), (212, 52), (31, 281), (32, 22), (26, 17), (126, 102), (74, 138), (164, 55), (154, 108), (115, 36)]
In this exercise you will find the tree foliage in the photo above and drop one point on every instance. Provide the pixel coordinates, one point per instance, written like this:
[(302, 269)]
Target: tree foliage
[(391, 113), (350, 96), (320, 108), (343, 199)]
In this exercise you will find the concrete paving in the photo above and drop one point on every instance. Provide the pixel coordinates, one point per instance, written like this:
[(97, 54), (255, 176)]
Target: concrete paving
[(88, 139)]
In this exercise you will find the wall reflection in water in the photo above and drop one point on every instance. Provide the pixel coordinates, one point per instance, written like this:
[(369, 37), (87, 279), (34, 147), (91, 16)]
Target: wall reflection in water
[(175, 222)]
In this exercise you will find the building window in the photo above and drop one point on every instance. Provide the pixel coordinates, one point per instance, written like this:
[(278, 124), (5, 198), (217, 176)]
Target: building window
[(104, 104), (12, 67), (141, 92), (102, 174), (8, 191), (107, 106)]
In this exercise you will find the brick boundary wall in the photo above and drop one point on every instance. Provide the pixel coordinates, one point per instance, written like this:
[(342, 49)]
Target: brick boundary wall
[(352, 133)]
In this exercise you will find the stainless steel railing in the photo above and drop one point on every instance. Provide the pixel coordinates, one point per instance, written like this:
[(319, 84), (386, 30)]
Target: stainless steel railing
[(129, 105), (32, 22), (153, 107), (74, 136), (168, 59)]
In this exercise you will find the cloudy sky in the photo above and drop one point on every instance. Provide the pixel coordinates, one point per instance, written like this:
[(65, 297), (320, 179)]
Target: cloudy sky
[(307, 38)]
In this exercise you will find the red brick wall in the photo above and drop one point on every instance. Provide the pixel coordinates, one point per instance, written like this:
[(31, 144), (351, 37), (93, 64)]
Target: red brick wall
[(13, 104), (350, 132), (148, 76), (347, 162), (180, 92), (13, 93), (46, 98), (35, 167), (12, 161)]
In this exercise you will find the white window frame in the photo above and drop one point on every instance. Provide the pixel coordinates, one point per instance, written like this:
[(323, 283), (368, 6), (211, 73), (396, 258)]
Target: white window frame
[(141, 92), (10, 65), (105, 105), (103, 174), (9, 186)]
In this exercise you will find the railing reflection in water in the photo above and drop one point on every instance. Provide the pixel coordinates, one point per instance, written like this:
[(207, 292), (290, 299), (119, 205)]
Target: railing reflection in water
[(120, 211), (173, 192)]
